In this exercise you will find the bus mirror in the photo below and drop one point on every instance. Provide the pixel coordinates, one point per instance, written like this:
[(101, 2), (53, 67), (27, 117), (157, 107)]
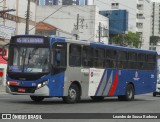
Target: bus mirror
[(3, 52)]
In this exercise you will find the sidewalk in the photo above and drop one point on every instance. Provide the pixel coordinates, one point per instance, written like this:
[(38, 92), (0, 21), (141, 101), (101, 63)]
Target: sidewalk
[(2, 88)]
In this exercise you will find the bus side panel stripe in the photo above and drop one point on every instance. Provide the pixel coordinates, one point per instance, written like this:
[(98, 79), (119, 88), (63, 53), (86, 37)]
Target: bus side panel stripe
[(114, 85), (108, 84), (100, 91), (100, 82)]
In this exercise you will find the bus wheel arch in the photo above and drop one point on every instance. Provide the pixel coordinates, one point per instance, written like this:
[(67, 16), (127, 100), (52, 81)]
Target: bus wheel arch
[(74, 93), (129, 93), (78, 85)]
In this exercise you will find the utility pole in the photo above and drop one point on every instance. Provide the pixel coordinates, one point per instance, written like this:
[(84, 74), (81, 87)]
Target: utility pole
[(99, 31), (27, 18), (77, 26), (17, 9)]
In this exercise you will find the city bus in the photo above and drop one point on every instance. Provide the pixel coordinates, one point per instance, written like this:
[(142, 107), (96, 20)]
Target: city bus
[(44, 67)]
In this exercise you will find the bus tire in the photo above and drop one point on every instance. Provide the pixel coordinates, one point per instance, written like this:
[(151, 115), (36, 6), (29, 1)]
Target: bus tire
[(129, 95), (37, 98), (73, 94), (154, 94), (97, 98)]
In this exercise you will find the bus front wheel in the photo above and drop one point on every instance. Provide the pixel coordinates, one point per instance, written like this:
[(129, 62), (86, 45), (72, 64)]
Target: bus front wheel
[(37, 98), (73, 94)]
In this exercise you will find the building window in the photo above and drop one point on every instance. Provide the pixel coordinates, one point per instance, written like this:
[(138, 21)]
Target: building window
[(114, 5), (152, 48), (140, 16), (139, 25), (140, 6)]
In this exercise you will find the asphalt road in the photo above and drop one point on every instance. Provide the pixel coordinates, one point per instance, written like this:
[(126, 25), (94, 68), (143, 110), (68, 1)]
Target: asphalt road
[(22, 104)]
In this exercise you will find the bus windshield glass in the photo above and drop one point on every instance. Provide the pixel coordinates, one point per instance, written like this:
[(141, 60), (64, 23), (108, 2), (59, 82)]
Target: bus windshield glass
[(29, 59)]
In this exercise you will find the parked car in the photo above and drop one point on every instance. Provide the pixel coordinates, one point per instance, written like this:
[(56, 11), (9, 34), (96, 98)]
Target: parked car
[(157, 88)]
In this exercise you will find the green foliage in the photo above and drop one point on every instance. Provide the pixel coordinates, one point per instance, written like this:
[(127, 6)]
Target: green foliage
[(132, 39)]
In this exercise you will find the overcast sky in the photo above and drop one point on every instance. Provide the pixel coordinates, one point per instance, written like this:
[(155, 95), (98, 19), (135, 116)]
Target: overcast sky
[(155, 0)]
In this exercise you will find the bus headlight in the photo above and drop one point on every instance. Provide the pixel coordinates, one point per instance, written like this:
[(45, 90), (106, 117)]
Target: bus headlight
[(13, 83), (42, 84)]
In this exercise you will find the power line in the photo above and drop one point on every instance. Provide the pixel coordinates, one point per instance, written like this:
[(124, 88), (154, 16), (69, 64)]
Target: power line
[(48, 16)]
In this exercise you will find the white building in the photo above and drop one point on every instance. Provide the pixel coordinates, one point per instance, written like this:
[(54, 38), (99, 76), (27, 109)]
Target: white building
[(66, 19), (155, 27), (139, 19), (13, 23)]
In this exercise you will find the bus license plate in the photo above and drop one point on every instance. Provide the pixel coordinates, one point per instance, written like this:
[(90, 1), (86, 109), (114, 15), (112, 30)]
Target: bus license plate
[(21, 90)]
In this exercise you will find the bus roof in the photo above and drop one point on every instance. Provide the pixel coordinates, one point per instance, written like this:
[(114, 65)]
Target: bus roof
[(99, 44), (95, 44)]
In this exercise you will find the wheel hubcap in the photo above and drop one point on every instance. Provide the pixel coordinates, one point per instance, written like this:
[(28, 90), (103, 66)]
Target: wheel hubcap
[(72, 93), (129, 93)]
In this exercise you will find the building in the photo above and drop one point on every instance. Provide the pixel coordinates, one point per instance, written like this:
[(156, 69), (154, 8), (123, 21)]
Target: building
[(65, 2), (118, 21), (155, 27), (138, 15), (76, 22), (12, 23)]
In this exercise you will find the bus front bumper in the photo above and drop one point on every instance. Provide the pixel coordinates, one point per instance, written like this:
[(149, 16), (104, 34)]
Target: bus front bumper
[(43, 91)]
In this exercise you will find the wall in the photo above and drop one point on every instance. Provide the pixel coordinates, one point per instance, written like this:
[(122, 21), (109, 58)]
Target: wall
[(66, 19)]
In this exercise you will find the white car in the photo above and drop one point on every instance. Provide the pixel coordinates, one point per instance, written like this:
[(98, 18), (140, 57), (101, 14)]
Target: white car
[(157, 88)]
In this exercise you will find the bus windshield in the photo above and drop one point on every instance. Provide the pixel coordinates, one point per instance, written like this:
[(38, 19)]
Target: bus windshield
[(29, 59)]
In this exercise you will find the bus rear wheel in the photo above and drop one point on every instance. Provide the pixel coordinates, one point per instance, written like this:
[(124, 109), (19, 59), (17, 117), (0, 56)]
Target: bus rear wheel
[(129, 93), (154, 94), (37, 98), (73, 94)]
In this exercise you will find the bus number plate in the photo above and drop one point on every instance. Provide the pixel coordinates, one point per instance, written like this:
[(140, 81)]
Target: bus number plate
[(21, 90)]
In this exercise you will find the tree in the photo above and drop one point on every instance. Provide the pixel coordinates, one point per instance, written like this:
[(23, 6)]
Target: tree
[(132, 39)]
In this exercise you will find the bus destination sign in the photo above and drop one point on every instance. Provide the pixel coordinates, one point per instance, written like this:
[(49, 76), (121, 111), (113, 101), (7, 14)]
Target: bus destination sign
[(30, 40)]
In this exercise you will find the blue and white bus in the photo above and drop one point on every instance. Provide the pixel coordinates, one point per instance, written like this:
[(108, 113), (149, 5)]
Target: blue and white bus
[(43, 67)]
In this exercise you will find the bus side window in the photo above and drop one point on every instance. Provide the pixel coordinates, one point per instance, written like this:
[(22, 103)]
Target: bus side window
[(75, 55), (122, 60), (99, 54), (87, 56), (132, 60), (151, 62), (111, 58), (141, 61)]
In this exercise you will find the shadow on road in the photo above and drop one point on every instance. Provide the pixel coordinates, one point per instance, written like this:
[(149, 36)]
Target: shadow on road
[(51, 101)]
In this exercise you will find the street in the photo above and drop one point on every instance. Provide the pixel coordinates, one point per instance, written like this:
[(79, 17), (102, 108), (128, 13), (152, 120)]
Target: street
[(145, 103), (23, 104)]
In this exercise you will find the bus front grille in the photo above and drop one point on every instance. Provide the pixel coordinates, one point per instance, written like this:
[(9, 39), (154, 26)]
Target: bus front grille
[(26, 89)]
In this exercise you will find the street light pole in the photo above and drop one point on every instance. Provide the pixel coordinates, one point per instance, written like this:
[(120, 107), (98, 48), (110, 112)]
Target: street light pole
[(27, 18)]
